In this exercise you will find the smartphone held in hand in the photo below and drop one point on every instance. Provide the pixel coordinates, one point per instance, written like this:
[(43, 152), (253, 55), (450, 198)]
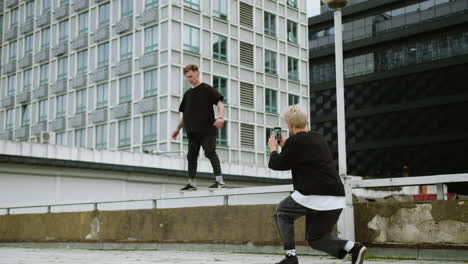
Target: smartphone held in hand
[(277, 132)]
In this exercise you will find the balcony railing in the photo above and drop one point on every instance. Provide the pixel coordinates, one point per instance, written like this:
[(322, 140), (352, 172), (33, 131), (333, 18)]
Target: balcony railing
[(25, 62), (124, 25), (101, 74), (80, 42), (101, 34), (62, 11), (122, 68), (43, 55), (43, 20)]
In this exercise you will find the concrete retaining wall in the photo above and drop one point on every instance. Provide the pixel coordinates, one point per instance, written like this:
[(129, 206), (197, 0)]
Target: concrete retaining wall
[(435, 222), (432, 222), (214, 225)]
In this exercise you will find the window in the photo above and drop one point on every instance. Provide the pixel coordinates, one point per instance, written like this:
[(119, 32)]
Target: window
[(293, 99), (62, 69), (126, 8), (186, 86), (270, 24), (12, 50), (104, 14), (60, 109), (220, 83), (149, 128), (83, 23), (28, 45), (219, 47), (126, 47), (44, 74), (151, 39), (25, 115), (45, 38), (11, 85), (268, 132), (103, 55), (9, 119), (27, 80), (60, 138), (63, 30), (42, 111), (191, 39), (29, 10), (151, 3), (63, 2), (292, 32), (45, 6), (1, 23), (125, 90), (151, 80), (293, 72), (82, 62), (220, 8), (80, 137), (270, 101), (14, 17), (124, 133), (292, 3), (194, 4), (101, 132), (102, 95), (80, 101), (270, 62), (221, 138)]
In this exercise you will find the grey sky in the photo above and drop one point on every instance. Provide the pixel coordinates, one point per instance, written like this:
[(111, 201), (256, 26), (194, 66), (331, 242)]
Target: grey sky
[(313, 7)]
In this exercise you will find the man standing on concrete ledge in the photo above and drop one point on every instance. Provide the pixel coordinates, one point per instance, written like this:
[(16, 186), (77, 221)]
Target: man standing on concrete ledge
[(318, 191), (201, 127)]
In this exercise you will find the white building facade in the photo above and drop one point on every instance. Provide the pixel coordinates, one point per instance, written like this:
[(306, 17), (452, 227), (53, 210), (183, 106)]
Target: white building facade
[(107, 74)]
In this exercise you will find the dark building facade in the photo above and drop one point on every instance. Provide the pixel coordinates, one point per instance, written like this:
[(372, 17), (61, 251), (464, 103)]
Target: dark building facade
[(406, 85)]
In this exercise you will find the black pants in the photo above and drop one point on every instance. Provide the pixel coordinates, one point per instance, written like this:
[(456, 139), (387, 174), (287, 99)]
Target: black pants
[(319, 225), (209, 147)]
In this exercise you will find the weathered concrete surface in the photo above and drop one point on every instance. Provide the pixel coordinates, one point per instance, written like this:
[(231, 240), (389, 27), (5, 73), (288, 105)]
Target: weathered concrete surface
[(218, 225), (74, 256), (434, 222)]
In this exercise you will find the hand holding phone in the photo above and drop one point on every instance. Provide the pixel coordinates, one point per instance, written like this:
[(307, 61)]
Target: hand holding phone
[(277, 133)]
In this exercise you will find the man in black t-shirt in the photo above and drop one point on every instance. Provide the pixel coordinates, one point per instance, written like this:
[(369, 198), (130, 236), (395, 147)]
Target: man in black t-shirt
[(201, 127)]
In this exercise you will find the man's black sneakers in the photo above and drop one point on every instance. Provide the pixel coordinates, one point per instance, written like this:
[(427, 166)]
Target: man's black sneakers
[(289, 260), (217, 185), (188, 187), (358, 252)]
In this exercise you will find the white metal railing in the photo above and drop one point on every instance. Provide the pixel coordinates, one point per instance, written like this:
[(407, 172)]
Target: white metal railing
[(226, 194)]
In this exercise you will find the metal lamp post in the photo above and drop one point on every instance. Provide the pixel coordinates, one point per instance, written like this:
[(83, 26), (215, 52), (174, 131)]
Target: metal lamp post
[(346, 221), (337, 5)]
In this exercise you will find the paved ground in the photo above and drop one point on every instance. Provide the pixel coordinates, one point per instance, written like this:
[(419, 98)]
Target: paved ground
[(78, 256)]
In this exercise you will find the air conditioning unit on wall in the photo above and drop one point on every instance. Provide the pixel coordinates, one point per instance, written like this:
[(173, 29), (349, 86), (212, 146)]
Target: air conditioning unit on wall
[(45, 137)]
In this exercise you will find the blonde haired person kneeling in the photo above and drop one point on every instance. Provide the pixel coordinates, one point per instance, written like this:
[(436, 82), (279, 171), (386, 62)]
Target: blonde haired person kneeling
[(318, 191)]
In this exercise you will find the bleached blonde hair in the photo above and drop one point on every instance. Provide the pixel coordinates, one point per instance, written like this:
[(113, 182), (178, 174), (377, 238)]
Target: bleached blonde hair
[(296, 116)]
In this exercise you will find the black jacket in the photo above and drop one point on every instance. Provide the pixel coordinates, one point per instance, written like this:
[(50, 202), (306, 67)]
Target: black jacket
[(314, 172)]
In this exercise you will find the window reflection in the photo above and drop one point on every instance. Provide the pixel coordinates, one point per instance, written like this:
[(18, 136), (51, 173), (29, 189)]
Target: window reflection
[(394, 57), (388, 21)]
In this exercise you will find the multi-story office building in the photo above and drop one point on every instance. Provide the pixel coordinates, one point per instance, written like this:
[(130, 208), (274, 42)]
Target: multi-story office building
[(107, 74), (405, 66)]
